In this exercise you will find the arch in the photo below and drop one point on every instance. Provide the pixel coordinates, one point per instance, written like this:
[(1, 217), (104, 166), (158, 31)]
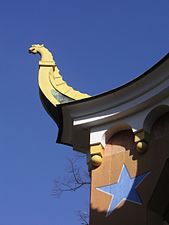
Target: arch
[(153, 115), (113, 130)]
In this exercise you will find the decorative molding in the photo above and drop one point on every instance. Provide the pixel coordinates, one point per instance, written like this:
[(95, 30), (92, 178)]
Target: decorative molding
[(51, 84), (95, 156), (91, 120), (135, 106), (141, 140)]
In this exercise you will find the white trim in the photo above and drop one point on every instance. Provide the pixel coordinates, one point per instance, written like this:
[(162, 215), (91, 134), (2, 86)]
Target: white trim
[(128, 106)]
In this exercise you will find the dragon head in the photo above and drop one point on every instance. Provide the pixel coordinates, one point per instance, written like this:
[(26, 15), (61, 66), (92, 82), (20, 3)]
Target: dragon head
[(35, 48)]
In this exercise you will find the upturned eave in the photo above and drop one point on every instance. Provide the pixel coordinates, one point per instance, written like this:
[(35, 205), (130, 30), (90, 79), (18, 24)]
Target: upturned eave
[(81, 121)]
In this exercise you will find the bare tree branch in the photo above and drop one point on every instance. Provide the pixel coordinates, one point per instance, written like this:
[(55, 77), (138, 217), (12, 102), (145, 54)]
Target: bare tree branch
[(73, 182), (84, 217)]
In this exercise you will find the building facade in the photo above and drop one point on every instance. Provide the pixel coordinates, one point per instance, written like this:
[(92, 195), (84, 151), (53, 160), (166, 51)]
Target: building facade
[(124, 134)]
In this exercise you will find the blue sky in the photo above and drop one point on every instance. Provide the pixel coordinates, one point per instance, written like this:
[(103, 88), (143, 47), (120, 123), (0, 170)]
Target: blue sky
[(97, 45)]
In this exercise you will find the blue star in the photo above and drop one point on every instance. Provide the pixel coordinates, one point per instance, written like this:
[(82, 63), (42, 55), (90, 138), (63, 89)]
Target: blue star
[(123, 190)]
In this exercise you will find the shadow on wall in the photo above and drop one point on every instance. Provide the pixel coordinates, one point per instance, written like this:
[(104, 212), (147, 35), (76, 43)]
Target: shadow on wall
[(153, 191)]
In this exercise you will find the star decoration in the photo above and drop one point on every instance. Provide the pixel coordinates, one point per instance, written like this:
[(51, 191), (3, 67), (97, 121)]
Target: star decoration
[(123, 190)]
